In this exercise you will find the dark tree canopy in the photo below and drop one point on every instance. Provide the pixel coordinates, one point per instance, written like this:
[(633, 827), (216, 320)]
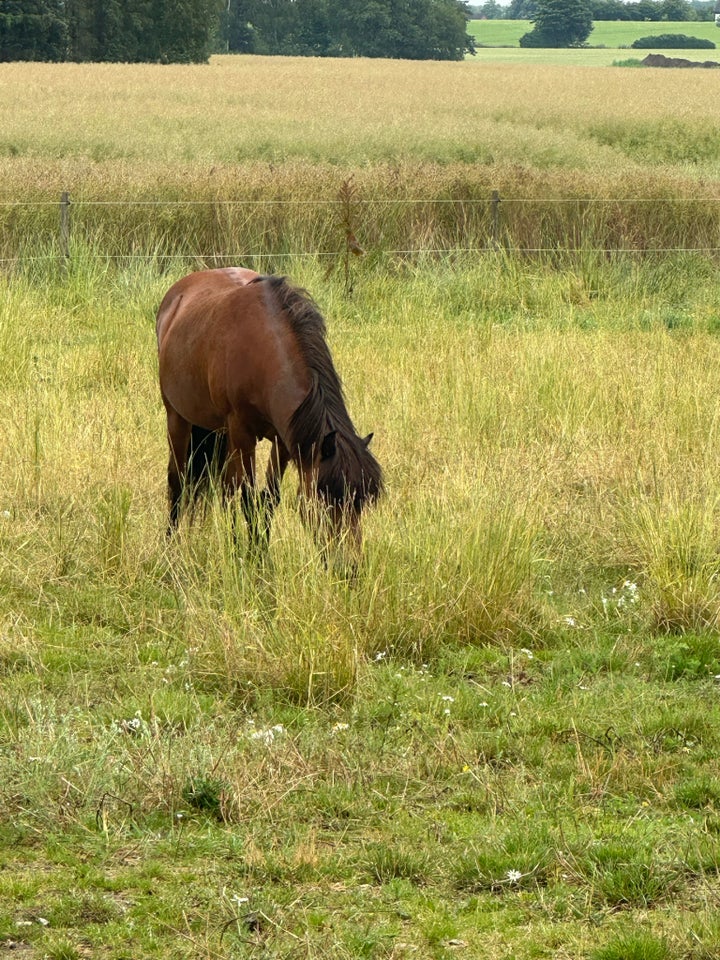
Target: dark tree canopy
[(118, 30), (32, 30), (408, 29), (702, 10), (187, 31)]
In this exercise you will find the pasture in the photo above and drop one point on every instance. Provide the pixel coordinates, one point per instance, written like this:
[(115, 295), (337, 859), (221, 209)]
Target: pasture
[(501, 740), (498, 41)]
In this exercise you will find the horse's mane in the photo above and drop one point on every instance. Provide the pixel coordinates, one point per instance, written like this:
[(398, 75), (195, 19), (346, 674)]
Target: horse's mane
[(323, 410)]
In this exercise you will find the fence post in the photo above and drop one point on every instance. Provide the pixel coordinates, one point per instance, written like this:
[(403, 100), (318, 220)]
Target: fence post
[(495, 207), (65, 224)]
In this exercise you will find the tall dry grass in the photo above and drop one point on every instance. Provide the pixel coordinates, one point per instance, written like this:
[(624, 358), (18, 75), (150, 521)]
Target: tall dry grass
[(535, 428), (248, 156)]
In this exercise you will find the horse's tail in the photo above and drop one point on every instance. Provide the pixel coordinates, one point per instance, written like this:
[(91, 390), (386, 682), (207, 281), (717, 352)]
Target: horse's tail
[(206, 456)]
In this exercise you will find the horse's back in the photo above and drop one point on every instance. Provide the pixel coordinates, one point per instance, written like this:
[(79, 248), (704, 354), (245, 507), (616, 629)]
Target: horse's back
[(196, 292), (223, 346)]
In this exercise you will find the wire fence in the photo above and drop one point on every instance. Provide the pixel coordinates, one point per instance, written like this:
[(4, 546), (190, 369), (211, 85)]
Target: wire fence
[(422, 226)]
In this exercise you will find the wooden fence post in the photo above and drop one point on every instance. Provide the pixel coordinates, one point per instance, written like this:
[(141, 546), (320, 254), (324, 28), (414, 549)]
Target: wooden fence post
[(495, 207), (65, 224)]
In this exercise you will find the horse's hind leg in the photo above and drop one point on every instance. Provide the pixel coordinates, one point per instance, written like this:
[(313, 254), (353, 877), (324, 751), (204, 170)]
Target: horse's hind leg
[(178, 440)]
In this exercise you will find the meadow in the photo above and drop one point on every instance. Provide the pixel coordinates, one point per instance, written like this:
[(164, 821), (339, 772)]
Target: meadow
[(602, 46), (501, 739)]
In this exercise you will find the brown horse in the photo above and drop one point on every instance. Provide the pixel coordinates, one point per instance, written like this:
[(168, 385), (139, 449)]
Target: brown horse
[(244, 357)]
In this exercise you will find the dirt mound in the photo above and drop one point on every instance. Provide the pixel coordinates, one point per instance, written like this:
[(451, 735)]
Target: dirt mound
[(658, 60)]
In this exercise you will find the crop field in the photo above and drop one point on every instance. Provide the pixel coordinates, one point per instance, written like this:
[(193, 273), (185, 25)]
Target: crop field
[(500, 739)]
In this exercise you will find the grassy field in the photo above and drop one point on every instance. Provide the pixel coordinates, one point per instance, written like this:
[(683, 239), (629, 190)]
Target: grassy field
[(501, 740), (606, 39)]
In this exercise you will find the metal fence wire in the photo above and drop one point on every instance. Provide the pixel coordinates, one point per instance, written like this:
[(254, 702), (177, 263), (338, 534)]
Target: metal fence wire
[(225, 230)]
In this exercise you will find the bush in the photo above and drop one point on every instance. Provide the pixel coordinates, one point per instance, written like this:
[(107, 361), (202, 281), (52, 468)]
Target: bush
[(672, 41)]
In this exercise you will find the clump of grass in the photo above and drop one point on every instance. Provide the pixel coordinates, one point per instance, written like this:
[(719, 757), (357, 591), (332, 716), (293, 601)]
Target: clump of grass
[(621, 875), (113, 512), (676, 549), (634, 945), (698, 793), (206, 794), (388, 861), (507, 861)]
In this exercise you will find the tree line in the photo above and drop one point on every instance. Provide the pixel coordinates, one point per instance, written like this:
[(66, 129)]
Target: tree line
[(635, 10), (188, 31)]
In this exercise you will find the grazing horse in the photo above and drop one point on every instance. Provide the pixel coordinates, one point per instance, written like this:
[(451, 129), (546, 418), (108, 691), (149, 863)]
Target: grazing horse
[(243, 357)]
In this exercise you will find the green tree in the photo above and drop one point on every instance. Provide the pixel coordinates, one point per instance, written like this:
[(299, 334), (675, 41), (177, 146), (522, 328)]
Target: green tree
[(491, 10), (521, 9), (677, 10), (32, 30), (407, 29), (180, 31), (559, 23)]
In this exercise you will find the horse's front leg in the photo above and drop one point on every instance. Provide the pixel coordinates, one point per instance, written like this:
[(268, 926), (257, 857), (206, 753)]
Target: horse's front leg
[(178, 430), (277, 464), (239, 478)]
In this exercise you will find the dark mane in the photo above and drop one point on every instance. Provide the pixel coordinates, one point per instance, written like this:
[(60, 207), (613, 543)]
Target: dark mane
[(353, 472)]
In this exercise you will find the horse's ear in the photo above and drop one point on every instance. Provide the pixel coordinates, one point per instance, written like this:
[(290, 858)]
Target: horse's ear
[(366, 440), (328, 446)]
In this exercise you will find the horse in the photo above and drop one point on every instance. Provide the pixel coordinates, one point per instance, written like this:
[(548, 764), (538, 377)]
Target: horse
[(244, 357)]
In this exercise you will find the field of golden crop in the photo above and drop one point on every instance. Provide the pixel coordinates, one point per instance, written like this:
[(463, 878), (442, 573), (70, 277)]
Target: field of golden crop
[(425, 146), (349, 112)]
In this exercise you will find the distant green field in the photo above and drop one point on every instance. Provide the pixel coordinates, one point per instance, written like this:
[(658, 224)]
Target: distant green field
[(607, 36)]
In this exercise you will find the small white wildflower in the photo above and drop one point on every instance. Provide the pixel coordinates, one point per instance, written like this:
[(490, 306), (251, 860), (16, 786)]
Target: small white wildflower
[(581, 686), (268, 736), (570, 621), (339, 727), (483, 703), (446, 712), (513, 876), (23, 923), (43, 922), (506, 683), (239, 900), (6, 514), (528, 653), (447, 698), (380, 656)]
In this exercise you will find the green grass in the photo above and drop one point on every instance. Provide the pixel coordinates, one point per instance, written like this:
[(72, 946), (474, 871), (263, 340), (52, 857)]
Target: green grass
[(500, 740), (498, 43)]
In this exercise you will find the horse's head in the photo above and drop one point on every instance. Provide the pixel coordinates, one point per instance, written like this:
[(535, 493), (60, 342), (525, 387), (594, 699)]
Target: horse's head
[(345, 477)]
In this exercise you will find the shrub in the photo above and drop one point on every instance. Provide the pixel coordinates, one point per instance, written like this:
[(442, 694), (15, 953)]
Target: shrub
[(672, 41)]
